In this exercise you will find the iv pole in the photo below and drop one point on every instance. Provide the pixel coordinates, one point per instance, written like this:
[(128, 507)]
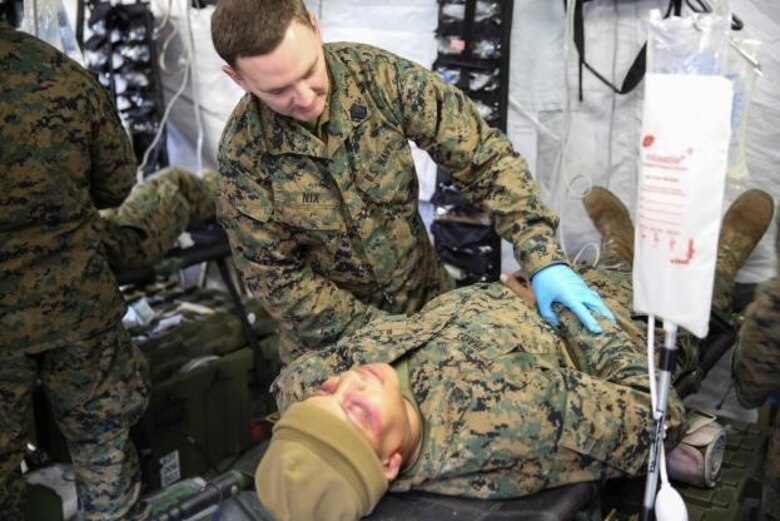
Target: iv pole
[(668, 353)]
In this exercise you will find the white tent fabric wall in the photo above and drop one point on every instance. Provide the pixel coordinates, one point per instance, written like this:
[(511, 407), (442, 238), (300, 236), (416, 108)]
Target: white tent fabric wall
[(603, 129), (599, 134), (217, 93), (404, 27), (762, 21)]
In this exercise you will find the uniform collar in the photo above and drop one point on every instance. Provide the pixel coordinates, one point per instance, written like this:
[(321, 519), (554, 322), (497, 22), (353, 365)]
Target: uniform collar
[(348, 110)]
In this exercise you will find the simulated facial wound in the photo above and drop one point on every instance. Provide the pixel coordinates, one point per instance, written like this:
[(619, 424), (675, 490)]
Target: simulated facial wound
[(368, 397)]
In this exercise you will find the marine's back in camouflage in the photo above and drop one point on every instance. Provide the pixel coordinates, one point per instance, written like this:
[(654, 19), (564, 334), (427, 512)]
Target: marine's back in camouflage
[(506, 412), (63, 155), (326, 231)]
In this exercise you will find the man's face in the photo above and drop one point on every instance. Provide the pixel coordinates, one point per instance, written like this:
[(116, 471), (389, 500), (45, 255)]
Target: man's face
[(368, 397), (292, 79)]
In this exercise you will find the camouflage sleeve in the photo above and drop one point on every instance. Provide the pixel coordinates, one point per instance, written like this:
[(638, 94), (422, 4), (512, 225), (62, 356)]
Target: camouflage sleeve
[(757, 356), (297, 379), (307, 372), (443, 121), (269, 259), (113, 160), (616, 360)]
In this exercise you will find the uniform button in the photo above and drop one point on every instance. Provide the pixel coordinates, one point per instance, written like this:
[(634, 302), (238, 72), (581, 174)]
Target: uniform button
[(358, 112)]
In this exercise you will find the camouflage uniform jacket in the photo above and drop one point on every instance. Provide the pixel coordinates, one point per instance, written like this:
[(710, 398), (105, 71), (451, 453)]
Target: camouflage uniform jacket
[(504, 412), (63, 155), (326, 232)]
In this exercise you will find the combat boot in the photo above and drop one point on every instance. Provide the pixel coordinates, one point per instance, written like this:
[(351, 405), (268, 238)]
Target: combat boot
[(744, 223), (612, 220)]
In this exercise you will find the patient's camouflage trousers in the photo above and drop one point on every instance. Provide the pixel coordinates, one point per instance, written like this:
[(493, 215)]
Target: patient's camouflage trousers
[(616, 289)]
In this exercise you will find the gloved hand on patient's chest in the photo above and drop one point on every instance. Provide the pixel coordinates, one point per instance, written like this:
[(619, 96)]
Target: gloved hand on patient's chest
[(559, 283)]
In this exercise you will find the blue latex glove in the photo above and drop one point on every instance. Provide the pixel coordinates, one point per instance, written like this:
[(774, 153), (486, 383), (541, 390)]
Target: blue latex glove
[(559, 283)]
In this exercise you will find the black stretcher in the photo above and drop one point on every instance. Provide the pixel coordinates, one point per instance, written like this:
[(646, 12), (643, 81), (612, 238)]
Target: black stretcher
[(578, 501), (234, 492)]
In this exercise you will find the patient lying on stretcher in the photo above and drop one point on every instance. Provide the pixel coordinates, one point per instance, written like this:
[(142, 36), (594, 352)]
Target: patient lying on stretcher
[(474, 396)]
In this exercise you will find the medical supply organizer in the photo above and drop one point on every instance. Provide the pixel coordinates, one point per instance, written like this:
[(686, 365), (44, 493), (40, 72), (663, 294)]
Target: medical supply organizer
[(473, 54)]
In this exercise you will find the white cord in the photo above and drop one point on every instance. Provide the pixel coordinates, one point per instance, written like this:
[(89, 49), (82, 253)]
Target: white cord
[(163, 121), (182, 63), (651, 361), (560, 162), (541, 127), (596, 253), (188, 67), (662, 463), (166, 16), (668, 504), (560, 168), (195, 88), (571, 189)]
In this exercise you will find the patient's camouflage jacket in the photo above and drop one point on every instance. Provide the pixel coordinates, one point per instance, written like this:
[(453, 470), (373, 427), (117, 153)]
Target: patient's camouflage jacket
[(326, 231), (63, 155), (757, 375), (505, 411)]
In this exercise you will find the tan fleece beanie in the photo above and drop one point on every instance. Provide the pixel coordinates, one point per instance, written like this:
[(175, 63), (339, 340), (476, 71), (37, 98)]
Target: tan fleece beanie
[(318, 467)]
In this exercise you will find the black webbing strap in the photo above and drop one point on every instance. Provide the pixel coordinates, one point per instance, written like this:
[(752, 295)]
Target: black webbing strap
[(80, 9), (468, 23), (637, 70)]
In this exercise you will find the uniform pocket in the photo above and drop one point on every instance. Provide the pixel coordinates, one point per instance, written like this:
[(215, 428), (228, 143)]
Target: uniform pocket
[(499, 323), (607, 422), (387, 338), (245, 196), (386, 171), (314, 209)]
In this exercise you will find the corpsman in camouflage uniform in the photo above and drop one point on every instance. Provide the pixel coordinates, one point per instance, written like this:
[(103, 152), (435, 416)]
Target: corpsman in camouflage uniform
[(757, 375), (475, 402), (63, 155), (318, 189)]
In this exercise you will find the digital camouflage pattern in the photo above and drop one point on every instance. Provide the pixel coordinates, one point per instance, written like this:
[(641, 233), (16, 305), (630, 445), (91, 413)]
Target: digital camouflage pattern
[(770, 498), (139, 233), (505, 410), (757, 357), (756, 373), (98, 388), (326, 231), (63, 155), (615, 285)]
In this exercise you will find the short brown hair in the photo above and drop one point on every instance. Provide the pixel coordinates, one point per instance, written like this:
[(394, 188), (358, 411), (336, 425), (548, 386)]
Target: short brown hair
[(242, 28)]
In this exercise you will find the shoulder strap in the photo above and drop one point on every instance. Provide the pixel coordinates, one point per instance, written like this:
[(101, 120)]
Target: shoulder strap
[(637, 70)]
